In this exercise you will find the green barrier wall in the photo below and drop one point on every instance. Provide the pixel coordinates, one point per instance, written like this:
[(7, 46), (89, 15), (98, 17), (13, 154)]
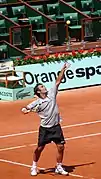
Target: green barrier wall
[(16, 94)]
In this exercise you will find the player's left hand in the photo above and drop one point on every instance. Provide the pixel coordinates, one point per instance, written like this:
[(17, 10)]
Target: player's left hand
[(25, 111)]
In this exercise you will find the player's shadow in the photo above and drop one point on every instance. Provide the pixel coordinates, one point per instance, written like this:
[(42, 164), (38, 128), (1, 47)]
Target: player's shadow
[(69, 169)]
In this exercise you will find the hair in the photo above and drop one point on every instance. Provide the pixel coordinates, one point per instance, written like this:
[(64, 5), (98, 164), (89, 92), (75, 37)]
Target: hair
[(36, 88)]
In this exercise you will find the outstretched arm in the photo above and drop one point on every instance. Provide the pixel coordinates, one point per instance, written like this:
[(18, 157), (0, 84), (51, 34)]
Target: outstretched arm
[(25, 110), (61, 74), (30, 107)]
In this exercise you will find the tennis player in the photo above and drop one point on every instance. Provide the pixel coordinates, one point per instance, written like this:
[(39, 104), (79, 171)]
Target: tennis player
[(50, 129)]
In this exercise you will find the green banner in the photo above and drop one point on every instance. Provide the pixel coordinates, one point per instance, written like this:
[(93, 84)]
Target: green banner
[(7, 94)]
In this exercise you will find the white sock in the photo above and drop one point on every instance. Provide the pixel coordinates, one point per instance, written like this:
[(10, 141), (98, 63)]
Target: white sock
[(59, 164), (34, 164)]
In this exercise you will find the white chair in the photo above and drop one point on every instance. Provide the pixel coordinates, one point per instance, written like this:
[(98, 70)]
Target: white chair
[(8, 75)]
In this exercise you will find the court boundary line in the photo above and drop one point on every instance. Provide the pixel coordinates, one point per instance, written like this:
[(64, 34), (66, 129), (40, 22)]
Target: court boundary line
[(67, 139), (29, 166), (63, 127)]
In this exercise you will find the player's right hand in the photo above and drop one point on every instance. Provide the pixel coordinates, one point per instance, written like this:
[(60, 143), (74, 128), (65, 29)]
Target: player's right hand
[(25, 111), (66, 66)]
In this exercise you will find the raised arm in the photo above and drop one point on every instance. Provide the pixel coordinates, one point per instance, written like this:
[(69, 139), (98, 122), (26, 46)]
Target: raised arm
[(61, 74)]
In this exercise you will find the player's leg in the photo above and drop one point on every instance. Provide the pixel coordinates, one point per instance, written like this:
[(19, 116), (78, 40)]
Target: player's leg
[(60, 152), (58, 138), (36, 156), (37, 153), (38, 150)]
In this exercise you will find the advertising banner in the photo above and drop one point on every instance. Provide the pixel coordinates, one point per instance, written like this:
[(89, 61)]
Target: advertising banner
[(81, 73), (7, 94)]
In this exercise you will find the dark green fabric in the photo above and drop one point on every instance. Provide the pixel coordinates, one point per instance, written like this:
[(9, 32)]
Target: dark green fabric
[(38, 7), (73, 17), (53, 8), (75, 27), (18, 10), (3, 1), (3, 11), (87, 12), (37, 19), (15, 19), (37, 22), (40, 30), (87, 5), (3, 48), (2, 23), (53, 16)]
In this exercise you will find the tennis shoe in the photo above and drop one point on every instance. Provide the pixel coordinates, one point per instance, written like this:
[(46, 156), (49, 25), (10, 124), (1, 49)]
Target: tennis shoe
[(60, 170), (34, 171)]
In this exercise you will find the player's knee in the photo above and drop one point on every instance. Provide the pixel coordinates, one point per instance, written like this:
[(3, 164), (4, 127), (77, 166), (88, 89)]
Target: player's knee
[(61, 148)]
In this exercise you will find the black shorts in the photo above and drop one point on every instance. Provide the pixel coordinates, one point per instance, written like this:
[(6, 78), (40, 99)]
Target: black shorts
[(47, 135)]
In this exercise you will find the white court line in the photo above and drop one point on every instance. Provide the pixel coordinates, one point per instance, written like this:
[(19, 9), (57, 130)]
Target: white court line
[(82, 124), (79, 176), (83, 136), (17, 163), (71, 138), (18, 134), (29, 166), (63, 127), (16, 147)]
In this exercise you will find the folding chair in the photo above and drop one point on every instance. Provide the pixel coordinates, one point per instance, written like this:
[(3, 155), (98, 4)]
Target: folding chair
[(10, 76)]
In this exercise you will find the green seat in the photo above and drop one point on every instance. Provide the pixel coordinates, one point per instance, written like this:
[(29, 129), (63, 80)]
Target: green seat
[(37, 22), (38, 7), (15, 19), (3, 1), (3, 29), (95, 14), (98, 12), (53, 9), (3, 11), (2, 23), (3, 52), (38, 28), (72, 3), (87, 13), (74, 27), (41, 30), (3, 48), (73, 17), (95, 3), (87, 5), (18, 10), (53, 16)]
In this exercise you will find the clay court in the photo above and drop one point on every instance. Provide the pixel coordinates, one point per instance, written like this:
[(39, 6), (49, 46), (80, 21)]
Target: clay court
[(81, 113)]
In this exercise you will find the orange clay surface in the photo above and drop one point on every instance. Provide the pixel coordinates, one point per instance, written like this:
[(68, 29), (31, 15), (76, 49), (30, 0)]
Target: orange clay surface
[(81, 113)]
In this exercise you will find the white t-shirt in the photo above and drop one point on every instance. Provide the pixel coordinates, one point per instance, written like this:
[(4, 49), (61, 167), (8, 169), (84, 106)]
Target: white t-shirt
[(47, 108)]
